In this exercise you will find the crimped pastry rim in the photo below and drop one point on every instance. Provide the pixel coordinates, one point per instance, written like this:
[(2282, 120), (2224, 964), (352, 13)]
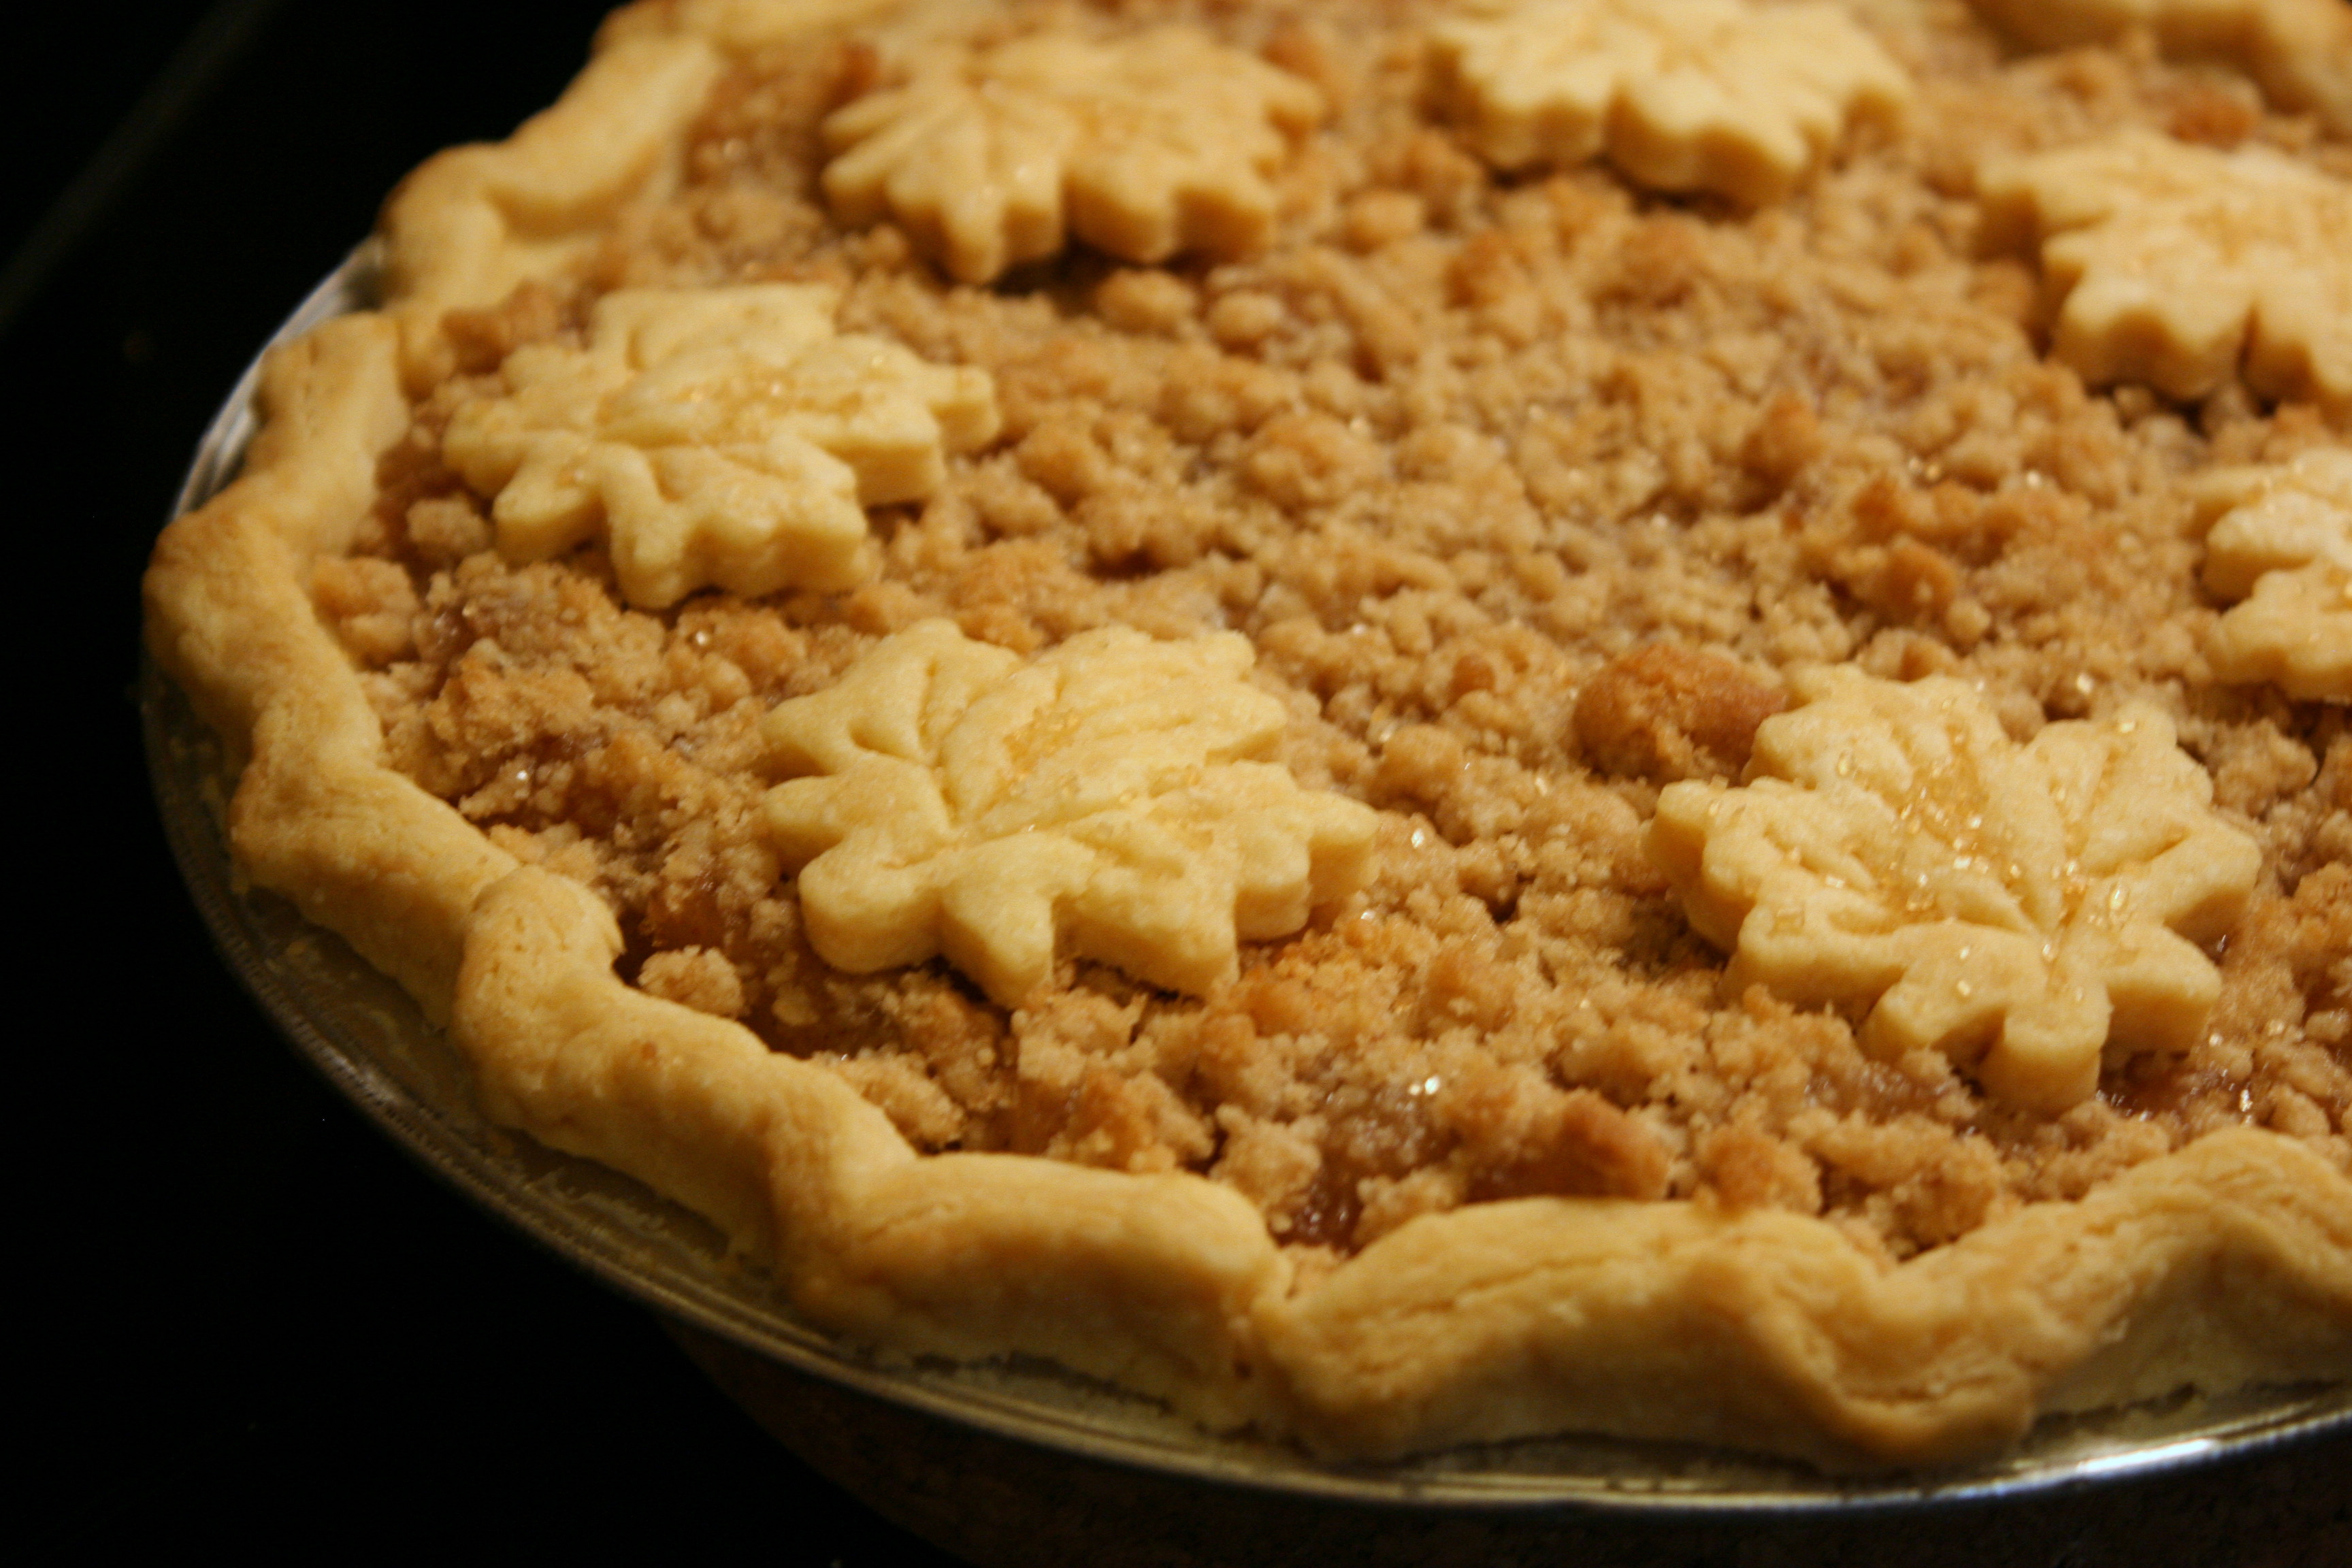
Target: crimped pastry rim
[(1382, 1358), (325, 1001)]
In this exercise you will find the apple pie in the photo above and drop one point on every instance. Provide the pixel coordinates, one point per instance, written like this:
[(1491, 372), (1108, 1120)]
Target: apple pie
[(1409, 722)]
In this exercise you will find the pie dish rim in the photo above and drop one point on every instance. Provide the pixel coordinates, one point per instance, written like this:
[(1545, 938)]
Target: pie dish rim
[(218, 470)]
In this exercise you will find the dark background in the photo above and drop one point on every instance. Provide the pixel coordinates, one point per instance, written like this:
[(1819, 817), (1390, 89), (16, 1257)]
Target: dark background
[(255, 1321), (259, 1323)]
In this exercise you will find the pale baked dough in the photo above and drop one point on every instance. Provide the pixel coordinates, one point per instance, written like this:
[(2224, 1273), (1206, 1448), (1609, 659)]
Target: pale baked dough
[(2279, 540), (721, 437), (2022, 907), (2228, 1261), (1683, 95), (2177, 264), (1143, 146), (1108, 798)]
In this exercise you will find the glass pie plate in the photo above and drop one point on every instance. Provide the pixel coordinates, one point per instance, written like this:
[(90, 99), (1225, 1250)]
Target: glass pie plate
[(1088, 1447)]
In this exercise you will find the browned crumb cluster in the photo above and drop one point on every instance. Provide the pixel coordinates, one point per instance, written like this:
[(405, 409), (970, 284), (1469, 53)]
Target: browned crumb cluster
[(1528, 493)]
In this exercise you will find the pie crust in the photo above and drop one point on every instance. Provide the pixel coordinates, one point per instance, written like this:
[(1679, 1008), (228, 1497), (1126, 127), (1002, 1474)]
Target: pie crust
[(2224, 1262)]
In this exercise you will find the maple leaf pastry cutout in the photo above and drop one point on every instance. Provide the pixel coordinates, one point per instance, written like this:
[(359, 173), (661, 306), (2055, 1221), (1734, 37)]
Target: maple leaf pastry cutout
[(2279, 541), (2181, 267), (1680, 95), (1107, 799), (722, 436), (991, 156), (2027, 911)]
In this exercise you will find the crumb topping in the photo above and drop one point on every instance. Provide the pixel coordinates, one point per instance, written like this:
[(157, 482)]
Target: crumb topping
[(1670, 712), (1100, 798), (1682, 95), (1532, 496), (2299, 50), (2015, 909), (1142, 146)]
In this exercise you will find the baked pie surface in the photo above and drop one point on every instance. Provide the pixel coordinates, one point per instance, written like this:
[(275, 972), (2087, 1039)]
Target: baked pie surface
[(1536, 502)]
